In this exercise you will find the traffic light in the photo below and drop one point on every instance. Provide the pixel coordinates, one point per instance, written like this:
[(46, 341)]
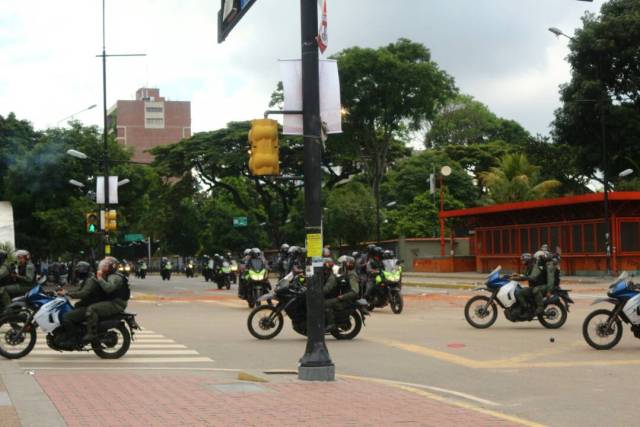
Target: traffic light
[(91, 222), (264, 155), (111, 220)]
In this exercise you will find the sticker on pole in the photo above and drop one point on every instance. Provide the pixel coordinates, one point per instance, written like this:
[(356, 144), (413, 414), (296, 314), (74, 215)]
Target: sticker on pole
[(314, 245)]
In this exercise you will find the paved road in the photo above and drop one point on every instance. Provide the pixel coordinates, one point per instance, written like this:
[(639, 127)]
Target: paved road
[(523, 370)]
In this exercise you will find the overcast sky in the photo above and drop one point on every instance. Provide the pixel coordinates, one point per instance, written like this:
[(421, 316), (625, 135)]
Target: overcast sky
[(498, 51)]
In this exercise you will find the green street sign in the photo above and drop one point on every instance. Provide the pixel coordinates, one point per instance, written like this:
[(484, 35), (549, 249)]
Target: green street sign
[(240, 221), (134, 238)]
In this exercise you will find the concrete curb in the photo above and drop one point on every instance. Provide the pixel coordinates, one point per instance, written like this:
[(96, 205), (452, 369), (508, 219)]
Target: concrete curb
[(31, 403)]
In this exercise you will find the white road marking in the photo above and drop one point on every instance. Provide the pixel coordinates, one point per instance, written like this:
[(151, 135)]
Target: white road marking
[(124, 359), (131, 353)]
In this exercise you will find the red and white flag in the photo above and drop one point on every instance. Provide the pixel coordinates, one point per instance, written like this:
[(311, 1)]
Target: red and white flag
[(323, 37)]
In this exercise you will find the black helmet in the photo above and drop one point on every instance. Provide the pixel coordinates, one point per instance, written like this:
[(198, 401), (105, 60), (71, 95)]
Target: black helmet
[(526, 258), (347, 263), (255, 252), (388, 254), (3, 255), (377, 250), (83, 269), (284, 248), (293, 250), (355, 254), (371, 249)]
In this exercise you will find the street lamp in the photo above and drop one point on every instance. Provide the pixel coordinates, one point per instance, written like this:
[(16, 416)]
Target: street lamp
[(123, 182), (444, 171), (603, 131), (76, 183), (625, 173), (77, 154), (90, 107)]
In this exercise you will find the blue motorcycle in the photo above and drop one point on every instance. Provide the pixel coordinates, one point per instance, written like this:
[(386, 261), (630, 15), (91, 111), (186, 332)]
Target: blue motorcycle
[(481, 311), (44, 310), (602, 329)]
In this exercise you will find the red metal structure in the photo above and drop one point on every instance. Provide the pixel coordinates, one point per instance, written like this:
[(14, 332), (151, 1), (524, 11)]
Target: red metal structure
[(575, 224)]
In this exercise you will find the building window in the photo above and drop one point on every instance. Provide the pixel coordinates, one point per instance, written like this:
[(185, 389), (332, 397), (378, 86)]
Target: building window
[(589, 238), (154, 123), (630, 236), (155, 109), (496, 242), (577, 238)]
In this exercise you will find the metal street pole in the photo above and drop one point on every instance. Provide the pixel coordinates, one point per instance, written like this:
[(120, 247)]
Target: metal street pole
[(315, 364), (105, 158), (442, 244)]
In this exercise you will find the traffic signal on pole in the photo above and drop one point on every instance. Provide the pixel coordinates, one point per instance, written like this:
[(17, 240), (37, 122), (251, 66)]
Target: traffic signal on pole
[(264, 154), (111, 220), (91, 222)]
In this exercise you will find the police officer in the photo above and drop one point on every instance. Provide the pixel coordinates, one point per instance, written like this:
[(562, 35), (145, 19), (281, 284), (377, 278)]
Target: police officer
[(283, 262), (22, 280), (374, 267), (88, 293), (531, 274), (112, 295), (340, 292)]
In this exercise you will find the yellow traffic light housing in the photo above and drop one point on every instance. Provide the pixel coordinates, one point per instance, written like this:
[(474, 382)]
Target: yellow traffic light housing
[(111, 220), (264, 154), (91, 222)]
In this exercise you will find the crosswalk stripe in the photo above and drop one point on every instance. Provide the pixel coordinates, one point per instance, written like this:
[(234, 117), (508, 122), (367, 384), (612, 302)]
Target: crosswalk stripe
[(133, 345), (132, 352), (124, 359)]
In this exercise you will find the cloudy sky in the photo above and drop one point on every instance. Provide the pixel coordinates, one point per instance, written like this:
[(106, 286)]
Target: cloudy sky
[(499, 51)]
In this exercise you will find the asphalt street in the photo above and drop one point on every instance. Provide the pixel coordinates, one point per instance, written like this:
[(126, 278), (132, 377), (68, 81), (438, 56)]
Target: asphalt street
[(544, 376)]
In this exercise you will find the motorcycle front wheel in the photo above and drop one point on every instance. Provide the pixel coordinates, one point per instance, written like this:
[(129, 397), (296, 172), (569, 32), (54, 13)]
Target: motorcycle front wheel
[(397, 302), (112, 344), (13, 343), (555, 315), (597, 334), (479, 314), (265, 322), (350, 330)]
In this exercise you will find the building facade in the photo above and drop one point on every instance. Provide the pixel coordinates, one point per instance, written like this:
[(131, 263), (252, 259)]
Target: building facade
[(149, 121), (500, 233)]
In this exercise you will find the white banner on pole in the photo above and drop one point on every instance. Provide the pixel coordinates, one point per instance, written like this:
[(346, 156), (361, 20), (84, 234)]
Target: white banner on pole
[(330, 106), (113, 190), (7, 233)]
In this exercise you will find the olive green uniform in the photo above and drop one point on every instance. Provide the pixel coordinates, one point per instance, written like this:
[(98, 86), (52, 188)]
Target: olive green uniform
[(340, 294), (99, 299), (23, 282), (547, 282), (532, 275)]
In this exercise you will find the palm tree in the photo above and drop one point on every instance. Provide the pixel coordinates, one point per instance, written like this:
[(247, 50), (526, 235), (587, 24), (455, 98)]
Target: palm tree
[(516, 180)]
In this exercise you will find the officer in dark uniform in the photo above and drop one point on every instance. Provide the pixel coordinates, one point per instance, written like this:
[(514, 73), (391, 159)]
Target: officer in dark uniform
[(107, 299), (22, 280), (340, 291), (374, 267)]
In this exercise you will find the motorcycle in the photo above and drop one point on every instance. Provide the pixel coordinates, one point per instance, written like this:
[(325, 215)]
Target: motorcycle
[(207, 271), (256, 282), (222, 276), (388, 287), (481, 311), (39, 309), (125, 269), (234, 272), (188, 271), (602, 328), (266, 321), (165, 273)]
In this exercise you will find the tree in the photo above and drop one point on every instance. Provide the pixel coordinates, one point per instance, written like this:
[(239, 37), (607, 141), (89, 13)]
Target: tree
[(605, 68), (516, 180), (350, 213), (388, 91), (410, 178), (219, 161), (419, 218)]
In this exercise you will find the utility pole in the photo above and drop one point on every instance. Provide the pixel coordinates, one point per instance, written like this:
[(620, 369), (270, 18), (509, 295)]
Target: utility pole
[(315, 364), (105, 156)]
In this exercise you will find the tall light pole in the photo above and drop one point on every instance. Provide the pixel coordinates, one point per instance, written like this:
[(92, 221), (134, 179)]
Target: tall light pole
[(90, 107), (105, 159), (601, 103), (444, 171)]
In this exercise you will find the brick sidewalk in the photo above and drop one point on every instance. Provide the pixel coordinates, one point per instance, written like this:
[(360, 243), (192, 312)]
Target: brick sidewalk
[(119, 399), (8, 415)]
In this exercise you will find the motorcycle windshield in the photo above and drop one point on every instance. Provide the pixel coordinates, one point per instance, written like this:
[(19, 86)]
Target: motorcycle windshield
[(494, 275), (391, 265), (256, 264), (623, 277)]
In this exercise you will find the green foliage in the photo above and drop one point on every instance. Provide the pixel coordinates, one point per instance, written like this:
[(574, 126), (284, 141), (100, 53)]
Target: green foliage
[(605, 63), (516, 180), (350, 214), (418, 218)]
